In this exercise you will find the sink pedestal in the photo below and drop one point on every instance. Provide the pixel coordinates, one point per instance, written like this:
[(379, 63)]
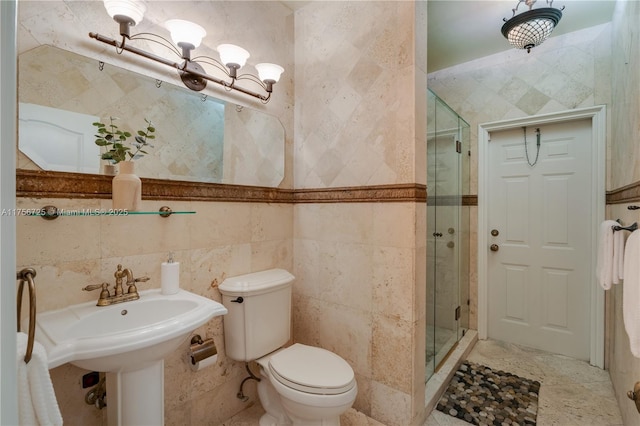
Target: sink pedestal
[(136, 397)]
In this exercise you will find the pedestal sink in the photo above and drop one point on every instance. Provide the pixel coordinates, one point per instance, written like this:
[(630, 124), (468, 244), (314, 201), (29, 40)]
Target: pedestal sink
[(129, 342)]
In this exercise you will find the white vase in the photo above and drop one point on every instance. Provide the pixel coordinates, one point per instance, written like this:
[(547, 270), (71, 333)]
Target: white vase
[(126, 188)]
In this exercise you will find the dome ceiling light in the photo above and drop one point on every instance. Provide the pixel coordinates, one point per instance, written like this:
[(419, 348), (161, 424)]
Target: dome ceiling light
[(532, 27)]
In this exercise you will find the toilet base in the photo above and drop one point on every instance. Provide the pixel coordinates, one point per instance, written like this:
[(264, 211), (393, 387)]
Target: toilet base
[(281, 411), (304, 415), (269, 420)]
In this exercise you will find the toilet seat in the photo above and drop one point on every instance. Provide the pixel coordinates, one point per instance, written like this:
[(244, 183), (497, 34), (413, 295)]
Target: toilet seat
[(311, 370)]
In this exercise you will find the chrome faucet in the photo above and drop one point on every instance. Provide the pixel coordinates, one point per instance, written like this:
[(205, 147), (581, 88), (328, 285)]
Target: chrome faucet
[(119, 295)]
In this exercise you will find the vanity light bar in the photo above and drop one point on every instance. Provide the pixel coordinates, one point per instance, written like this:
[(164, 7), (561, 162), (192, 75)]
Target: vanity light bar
[(187, 36)]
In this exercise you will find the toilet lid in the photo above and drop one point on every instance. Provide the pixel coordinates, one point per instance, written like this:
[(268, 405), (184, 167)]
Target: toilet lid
[(313, 370)]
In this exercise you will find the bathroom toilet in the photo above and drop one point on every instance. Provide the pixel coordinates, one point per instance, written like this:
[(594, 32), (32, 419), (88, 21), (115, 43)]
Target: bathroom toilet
[(300, 384)]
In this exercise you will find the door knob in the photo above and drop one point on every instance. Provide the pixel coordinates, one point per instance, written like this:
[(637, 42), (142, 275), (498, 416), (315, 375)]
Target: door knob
[(494, 247), (494, 232)]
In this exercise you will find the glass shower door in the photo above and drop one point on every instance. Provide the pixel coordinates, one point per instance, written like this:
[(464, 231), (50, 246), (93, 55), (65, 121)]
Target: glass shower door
[(445, 232)]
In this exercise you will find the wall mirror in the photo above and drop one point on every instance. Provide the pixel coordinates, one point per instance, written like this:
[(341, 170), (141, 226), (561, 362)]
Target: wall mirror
[(198, 138)]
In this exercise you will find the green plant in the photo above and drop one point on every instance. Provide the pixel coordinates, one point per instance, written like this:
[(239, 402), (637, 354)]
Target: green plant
[(115, 140)]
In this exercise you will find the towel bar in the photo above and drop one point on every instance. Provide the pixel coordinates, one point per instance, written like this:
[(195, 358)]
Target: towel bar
[(631, 228), (27, 275)]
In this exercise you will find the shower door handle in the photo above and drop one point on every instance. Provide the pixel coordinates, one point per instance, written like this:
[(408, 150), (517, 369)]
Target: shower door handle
[(494, 247)]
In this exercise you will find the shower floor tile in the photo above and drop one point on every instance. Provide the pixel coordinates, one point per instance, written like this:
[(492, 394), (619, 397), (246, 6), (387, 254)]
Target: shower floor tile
[(573, 393)]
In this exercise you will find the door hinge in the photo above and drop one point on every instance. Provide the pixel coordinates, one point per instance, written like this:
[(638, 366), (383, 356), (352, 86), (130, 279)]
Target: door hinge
[(459, 147), (457, 313)]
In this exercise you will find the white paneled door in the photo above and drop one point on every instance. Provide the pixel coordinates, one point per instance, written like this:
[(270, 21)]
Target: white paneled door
[(540, 235)]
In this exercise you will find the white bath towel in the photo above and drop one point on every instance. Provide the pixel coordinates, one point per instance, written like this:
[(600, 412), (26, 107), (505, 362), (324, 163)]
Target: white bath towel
[(631, 292), (37, 404), (604, 267)]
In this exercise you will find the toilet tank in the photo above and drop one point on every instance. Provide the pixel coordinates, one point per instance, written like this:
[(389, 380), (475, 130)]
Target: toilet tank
[(259, 317)]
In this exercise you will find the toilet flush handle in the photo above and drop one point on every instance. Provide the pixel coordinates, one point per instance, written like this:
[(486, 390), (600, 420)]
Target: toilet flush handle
[(238, 300)]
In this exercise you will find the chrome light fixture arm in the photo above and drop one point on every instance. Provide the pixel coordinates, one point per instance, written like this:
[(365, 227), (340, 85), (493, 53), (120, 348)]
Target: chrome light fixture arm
[(120, 46), (228, 85), (154, 38)]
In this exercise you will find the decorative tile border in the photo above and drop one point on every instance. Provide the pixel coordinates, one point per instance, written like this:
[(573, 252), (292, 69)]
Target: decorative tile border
[(44, 184), (626, 194), (363, 194)]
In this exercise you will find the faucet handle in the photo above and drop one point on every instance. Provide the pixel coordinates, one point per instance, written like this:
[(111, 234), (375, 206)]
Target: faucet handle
[(132, 284), (92, 287), (104, 293)]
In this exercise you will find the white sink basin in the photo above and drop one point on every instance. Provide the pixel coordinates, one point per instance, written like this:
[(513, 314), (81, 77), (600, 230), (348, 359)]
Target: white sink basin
[(125, 336)]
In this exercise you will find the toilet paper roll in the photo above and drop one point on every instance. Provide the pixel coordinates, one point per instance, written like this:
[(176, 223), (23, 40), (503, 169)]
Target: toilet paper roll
[(170, 277), (202, 364)]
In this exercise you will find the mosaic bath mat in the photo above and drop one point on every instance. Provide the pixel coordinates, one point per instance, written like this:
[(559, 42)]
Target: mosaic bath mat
[(482, 396)]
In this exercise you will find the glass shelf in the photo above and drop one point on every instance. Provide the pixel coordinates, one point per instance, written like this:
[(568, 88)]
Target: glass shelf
[(52, 212)]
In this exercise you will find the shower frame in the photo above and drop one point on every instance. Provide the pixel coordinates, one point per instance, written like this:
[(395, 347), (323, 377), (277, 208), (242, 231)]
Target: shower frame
[(448, 139)]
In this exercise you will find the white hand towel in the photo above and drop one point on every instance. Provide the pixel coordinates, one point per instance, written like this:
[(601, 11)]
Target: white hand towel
[(604, 267), (37, 404), (631, 292), (618, 255)]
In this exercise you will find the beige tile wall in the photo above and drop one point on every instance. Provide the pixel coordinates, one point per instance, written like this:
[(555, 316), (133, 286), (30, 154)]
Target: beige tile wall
[(220, 240), (361, 120), (354, 296), (356, 94)]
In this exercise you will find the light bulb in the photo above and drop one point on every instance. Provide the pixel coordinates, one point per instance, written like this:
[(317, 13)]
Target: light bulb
[(269, 72), (185, 32), (131, 9), (233, 56)]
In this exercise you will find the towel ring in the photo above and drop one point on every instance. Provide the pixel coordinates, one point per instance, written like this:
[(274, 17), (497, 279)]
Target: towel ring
[(27, 275)]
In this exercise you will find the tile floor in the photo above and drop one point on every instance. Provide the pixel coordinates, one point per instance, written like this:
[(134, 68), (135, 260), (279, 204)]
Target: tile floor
[(573, 393)]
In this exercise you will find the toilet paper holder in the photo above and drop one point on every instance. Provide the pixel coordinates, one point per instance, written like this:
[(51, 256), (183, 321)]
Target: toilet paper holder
[(201, 349)]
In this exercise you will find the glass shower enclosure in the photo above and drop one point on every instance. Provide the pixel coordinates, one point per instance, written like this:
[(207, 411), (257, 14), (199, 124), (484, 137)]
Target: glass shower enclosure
[(448, 139)]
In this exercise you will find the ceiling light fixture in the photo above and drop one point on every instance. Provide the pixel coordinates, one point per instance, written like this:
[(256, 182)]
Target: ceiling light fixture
[(532, 27), (188, 36)]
